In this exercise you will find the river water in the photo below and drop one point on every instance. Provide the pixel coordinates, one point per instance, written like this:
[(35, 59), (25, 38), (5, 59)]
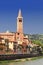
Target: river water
[(34, 62)]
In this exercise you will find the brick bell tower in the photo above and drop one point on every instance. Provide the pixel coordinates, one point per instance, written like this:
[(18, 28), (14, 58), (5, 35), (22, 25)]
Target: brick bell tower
[(20, 22), (19, 34)]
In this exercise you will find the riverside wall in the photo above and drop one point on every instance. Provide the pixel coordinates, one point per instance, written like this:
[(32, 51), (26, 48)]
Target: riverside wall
[(17, 56)]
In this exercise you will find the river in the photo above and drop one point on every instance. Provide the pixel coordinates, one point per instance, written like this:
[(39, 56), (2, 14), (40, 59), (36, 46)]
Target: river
[(34, 62)]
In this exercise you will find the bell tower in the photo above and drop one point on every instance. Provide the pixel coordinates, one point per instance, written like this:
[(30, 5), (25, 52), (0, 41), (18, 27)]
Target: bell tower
[(20, 22)]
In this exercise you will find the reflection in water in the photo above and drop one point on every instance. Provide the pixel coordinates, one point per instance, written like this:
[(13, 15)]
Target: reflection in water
[(35, 62)]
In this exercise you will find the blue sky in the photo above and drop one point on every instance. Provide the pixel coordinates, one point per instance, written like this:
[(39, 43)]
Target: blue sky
[(32, 12)]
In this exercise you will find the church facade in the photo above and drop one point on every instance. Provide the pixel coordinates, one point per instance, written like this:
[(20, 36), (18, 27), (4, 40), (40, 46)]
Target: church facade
[(15, 38)]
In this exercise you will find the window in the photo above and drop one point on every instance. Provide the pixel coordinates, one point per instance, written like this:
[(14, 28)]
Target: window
[(20, 20), (18, 33)]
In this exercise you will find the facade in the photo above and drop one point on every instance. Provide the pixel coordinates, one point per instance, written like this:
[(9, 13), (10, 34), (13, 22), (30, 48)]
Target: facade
[(11, 40)]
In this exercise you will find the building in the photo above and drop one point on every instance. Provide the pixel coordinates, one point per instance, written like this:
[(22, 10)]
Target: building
[(10, 40)]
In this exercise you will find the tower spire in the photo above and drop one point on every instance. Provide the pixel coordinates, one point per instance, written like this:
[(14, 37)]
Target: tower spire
[(19, 14)]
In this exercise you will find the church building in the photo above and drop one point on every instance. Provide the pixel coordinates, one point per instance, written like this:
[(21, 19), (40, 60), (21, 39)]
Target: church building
[(10, 39)]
